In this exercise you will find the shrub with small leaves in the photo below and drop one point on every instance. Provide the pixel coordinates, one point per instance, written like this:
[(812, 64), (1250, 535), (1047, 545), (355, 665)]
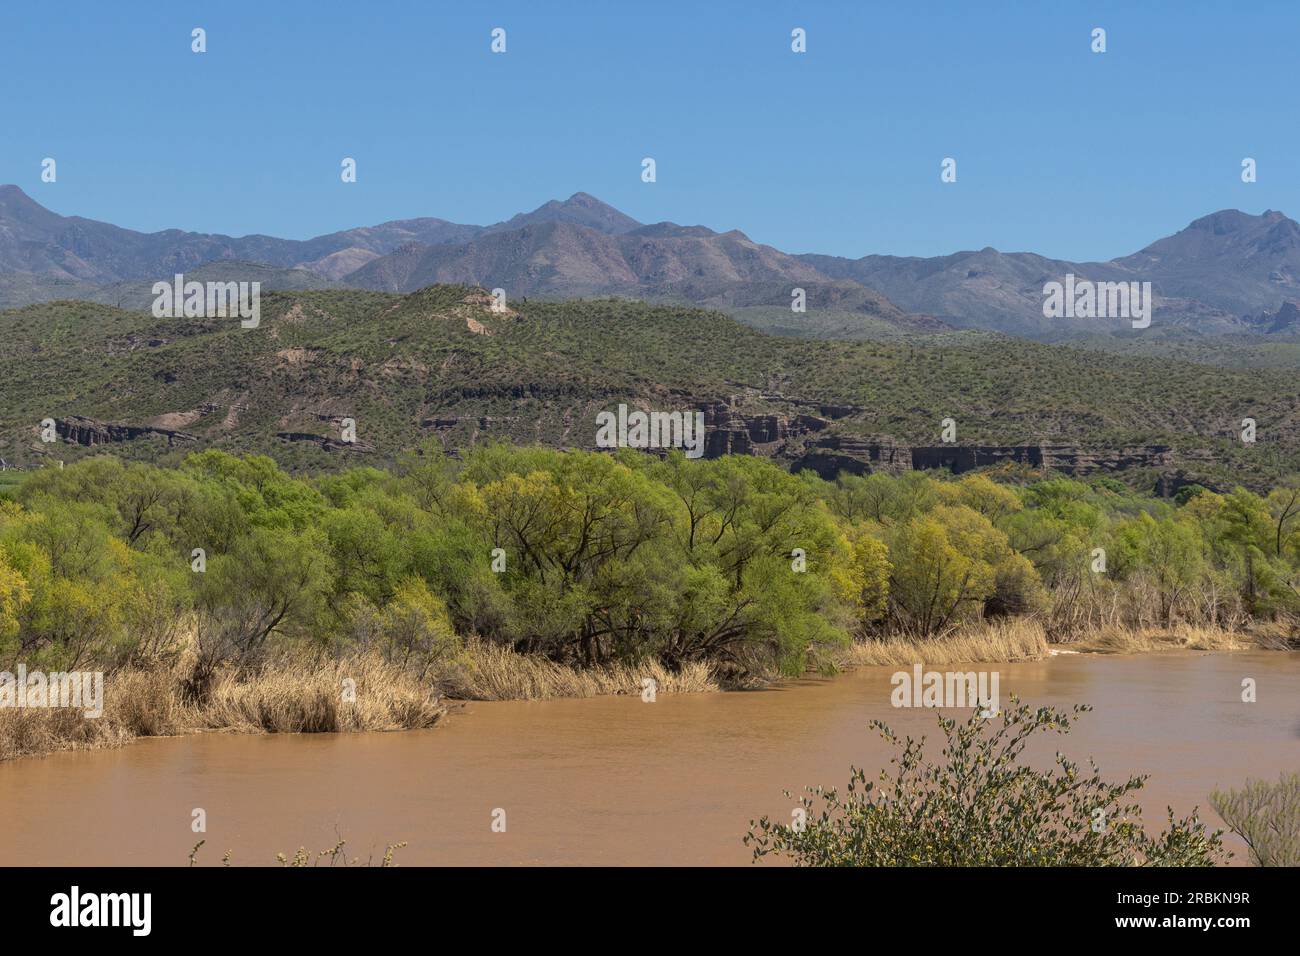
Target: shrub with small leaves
[(1266, 816), (983, 805)]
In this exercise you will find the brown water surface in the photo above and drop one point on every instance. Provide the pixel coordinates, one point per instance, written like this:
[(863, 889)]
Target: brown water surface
[(614, 780)]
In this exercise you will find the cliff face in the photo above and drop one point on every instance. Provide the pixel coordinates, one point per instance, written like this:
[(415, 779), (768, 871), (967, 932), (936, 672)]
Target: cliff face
[(1069, 459), (87, 431), (728, 432), (837, 454), (324, 441), (798, 439)]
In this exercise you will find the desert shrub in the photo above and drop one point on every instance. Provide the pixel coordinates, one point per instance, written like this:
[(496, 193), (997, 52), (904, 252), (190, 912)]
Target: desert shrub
[(1266, 816), (982, 805)]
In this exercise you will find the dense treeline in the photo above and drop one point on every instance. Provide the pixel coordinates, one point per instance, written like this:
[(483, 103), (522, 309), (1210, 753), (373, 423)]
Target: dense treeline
[(591, 558)]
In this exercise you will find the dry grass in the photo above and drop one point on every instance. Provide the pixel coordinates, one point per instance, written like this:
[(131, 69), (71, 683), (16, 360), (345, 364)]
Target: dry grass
[(1000, 642), (145, 702), (1283, 635), (1117, 640), (1022, 639), (303, 692), (498, 673), (26, 733), (137, 703), (284, 697), (289, 694)]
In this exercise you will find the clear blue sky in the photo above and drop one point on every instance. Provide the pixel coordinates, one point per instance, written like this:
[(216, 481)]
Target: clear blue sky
[(1059, 150)]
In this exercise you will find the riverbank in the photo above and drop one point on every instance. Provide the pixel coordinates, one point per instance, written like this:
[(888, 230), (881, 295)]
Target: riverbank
[(310, 692)]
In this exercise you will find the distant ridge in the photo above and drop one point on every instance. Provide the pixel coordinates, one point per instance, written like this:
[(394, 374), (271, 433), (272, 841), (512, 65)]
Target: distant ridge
[(1216, 276)]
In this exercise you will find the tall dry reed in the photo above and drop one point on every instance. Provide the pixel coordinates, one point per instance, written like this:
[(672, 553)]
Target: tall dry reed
[(493, 672), (309, 691), (289, 693), (1001, 642)]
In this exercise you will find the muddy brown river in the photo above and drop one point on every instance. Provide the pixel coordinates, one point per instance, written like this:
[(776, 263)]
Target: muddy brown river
[(615, 780)]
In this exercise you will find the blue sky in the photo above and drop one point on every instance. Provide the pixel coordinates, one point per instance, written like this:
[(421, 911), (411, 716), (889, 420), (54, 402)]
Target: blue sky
[(1059, 150)]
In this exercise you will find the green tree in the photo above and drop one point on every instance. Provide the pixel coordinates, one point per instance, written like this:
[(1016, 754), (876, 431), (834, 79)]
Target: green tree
[(945, 564), (1168, 552), (272, 582)]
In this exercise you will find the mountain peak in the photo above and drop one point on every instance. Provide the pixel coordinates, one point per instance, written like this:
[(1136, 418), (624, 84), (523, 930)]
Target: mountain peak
[(1227, 222), (1228, 232), (580, 209), (1224, 221), (13, 195), (17, 206)]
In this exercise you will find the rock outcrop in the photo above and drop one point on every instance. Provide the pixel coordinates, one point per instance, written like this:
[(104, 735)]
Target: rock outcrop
[(837, 453), (325, 442), (87, 431), (730, 432), (1285, 320)]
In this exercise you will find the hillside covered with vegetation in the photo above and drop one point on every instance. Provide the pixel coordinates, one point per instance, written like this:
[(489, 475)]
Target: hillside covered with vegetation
[(440, 362)]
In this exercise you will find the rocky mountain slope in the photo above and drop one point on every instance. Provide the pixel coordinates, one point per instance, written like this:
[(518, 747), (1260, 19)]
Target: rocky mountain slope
[(1215, 277), (1207, 278)]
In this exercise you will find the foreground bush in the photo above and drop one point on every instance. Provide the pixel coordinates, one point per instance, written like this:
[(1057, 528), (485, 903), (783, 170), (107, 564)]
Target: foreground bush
[(330, 857), (982, 806), (1266, 816)]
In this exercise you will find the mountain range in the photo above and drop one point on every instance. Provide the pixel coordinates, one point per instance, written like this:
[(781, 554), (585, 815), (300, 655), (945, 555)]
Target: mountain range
[(1228, 272)]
